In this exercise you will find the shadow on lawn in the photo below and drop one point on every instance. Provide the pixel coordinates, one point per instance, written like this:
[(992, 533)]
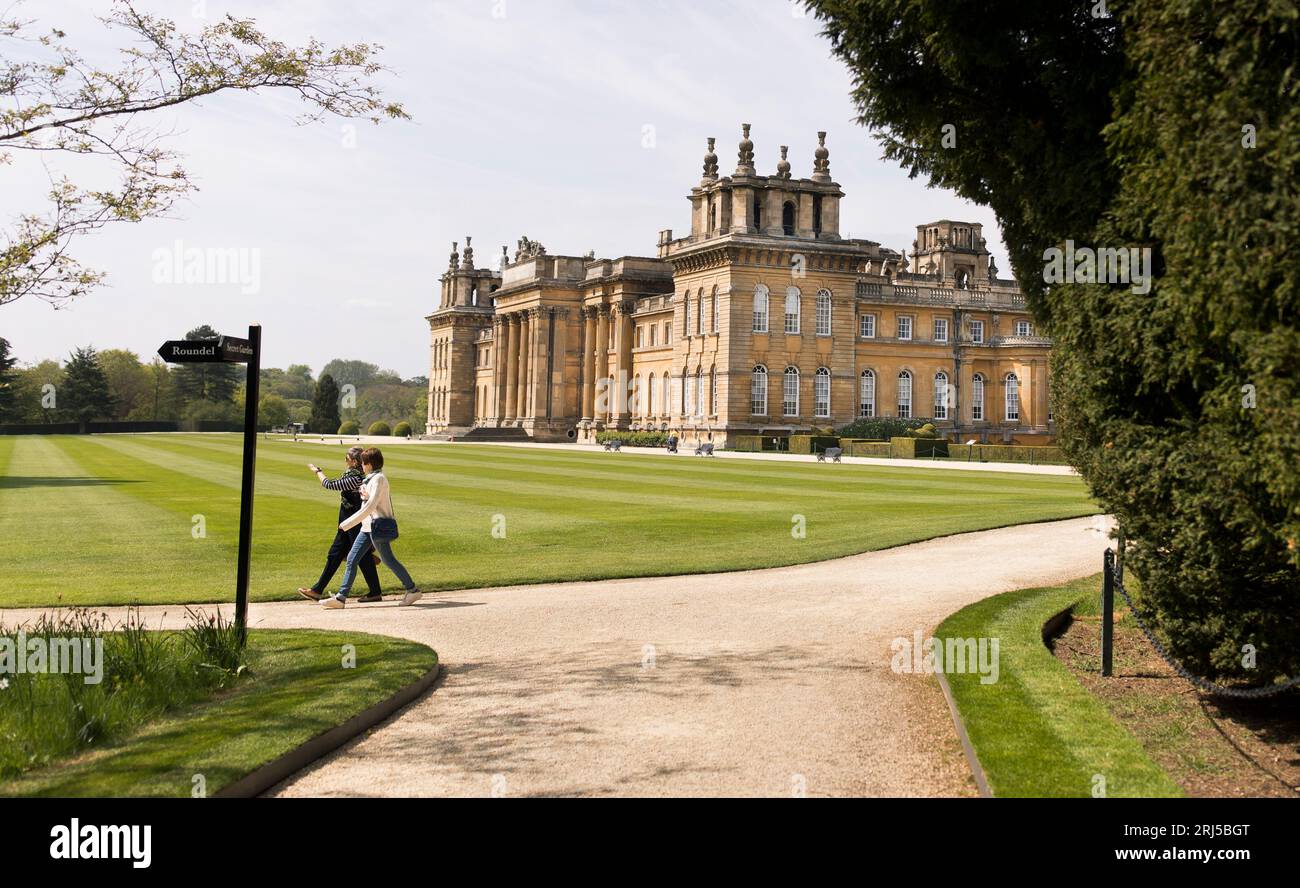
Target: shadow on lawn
[(16, 481)]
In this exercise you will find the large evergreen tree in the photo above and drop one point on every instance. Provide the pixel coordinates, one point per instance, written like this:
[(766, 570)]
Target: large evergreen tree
[(325, 407), (8, 383), (214, 383), (1161, 124), (84, 394)]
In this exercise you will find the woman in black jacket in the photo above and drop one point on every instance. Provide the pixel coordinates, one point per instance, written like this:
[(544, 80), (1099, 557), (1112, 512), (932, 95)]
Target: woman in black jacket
[(349, 486)]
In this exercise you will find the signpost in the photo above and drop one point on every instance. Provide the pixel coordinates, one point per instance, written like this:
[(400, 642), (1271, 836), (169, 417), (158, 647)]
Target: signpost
[(232, 350)]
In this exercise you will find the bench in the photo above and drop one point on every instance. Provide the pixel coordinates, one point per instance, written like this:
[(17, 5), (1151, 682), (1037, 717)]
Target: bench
[(613, 445), (834, 453)]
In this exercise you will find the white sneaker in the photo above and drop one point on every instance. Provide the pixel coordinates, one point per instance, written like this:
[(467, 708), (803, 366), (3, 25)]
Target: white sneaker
[(411, 598), (333, 602)]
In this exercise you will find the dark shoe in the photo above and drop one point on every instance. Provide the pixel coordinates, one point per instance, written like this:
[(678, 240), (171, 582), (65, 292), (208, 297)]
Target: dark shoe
[(310, 593), (372, 597)]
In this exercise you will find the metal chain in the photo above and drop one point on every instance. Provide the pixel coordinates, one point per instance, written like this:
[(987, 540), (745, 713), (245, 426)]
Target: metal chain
[(1203, 684)]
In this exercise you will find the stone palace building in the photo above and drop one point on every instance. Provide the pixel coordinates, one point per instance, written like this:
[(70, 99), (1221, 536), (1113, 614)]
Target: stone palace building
[(763, 320)]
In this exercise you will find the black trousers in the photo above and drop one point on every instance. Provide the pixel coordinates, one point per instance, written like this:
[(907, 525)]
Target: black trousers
[(338, 553)]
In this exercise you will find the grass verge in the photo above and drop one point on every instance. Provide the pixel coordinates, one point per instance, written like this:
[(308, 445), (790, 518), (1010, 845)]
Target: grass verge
[(295, 688), (1036, 730)]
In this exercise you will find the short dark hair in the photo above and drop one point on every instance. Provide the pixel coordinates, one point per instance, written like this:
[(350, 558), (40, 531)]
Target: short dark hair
[(372, 457)]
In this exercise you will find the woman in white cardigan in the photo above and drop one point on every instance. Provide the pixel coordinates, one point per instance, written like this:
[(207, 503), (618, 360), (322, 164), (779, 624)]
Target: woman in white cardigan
[(378, 529)]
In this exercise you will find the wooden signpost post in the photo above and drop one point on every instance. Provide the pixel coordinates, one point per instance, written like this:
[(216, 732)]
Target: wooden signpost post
[(232, 350)]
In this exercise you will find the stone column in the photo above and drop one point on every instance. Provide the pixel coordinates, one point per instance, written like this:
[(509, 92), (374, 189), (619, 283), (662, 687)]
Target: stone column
[(499, 346), (512, 365), (602, 361), (521, 381), (623, 375), (589, 364)]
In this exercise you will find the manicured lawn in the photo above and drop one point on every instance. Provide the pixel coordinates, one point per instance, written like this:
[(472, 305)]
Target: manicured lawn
[(296, 688), (1037, 731), (114, 519)]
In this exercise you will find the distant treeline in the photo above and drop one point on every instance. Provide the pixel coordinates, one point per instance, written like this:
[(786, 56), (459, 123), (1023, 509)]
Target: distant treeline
[(114, 385)]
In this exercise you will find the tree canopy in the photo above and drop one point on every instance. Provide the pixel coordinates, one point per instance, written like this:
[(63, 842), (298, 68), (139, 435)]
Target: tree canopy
[(1162, 125)]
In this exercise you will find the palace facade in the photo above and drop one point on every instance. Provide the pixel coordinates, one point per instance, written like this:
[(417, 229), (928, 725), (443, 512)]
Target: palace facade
[(763, 320)]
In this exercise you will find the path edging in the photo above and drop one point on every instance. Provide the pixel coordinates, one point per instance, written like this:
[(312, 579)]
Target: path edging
[(972, 758), (262, 778)]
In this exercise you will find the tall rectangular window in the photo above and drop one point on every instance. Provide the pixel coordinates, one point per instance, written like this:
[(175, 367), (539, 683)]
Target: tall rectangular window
[(758, 392), (867, 326), (823, 313), (977, 332), (940, 329), (904, 327), (977, 398)]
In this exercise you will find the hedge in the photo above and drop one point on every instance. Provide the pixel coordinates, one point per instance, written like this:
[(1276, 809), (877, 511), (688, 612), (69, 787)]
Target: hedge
[(747, 443), (379, 428), (914, 448), (633, 439), (812, 443), (1033, 454), (402, 430), (350, 427), (868, 448)]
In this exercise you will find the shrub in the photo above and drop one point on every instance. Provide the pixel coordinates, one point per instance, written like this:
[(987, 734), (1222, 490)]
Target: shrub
[(379, 427), (880, 428), (633, 439), (349, 427), (402, 430), (747, 443)]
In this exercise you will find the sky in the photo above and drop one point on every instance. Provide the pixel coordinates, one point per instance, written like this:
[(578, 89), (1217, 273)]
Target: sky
[(579, 123)]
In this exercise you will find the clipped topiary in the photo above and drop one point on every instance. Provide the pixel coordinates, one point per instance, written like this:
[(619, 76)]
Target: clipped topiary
[(402, 430), (349, 427), (379, 428)]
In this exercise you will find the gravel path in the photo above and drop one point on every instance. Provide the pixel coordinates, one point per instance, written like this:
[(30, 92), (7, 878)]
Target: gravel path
[(769, 682)]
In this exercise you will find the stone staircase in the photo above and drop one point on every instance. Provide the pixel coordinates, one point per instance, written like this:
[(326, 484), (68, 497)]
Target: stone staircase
[(496, 435)]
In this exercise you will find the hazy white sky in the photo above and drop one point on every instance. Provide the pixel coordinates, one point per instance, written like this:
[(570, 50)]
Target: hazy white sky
[(530, 117)]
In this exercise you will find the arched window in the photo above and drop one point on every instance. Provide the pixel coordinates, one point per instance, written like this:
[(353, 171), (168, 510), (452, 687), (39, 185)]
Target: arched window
[(790, 392), (713, 313), (665, 393), (792, 295), (760, 309), (638, 408), (1013, 398), (905, 395), (686, 392), (699, 391), (823, 312), (822, 393), (713, 391), (650, 397), (941, 395), (787, 217), (686, 315), (867, 394), (699, 313), (977, 398), (758, 391)]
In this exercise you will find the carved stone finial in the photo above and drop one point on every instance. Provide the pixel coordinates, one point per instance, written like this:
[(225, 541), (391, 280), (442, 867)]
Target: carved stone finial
[(469, 254), (455, 256), (783, 165), (993, 269), (711, 161), (746, 155), (821, 160)]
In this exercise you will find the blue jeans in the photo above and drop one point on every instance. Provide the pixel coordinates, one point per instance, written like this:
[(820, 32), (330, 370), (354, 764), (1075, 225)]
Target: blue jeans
[(385, 550)]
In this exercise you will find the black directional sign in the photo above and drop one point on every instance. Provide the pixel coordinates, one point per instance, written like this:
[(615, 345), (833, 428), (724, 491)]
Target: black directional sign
[(228, 349), (233, 350), (191, 351)]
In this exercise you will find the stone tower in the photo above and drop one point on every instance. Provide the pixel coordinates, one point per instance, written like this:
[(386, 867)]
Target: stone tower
[(464, 311)]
